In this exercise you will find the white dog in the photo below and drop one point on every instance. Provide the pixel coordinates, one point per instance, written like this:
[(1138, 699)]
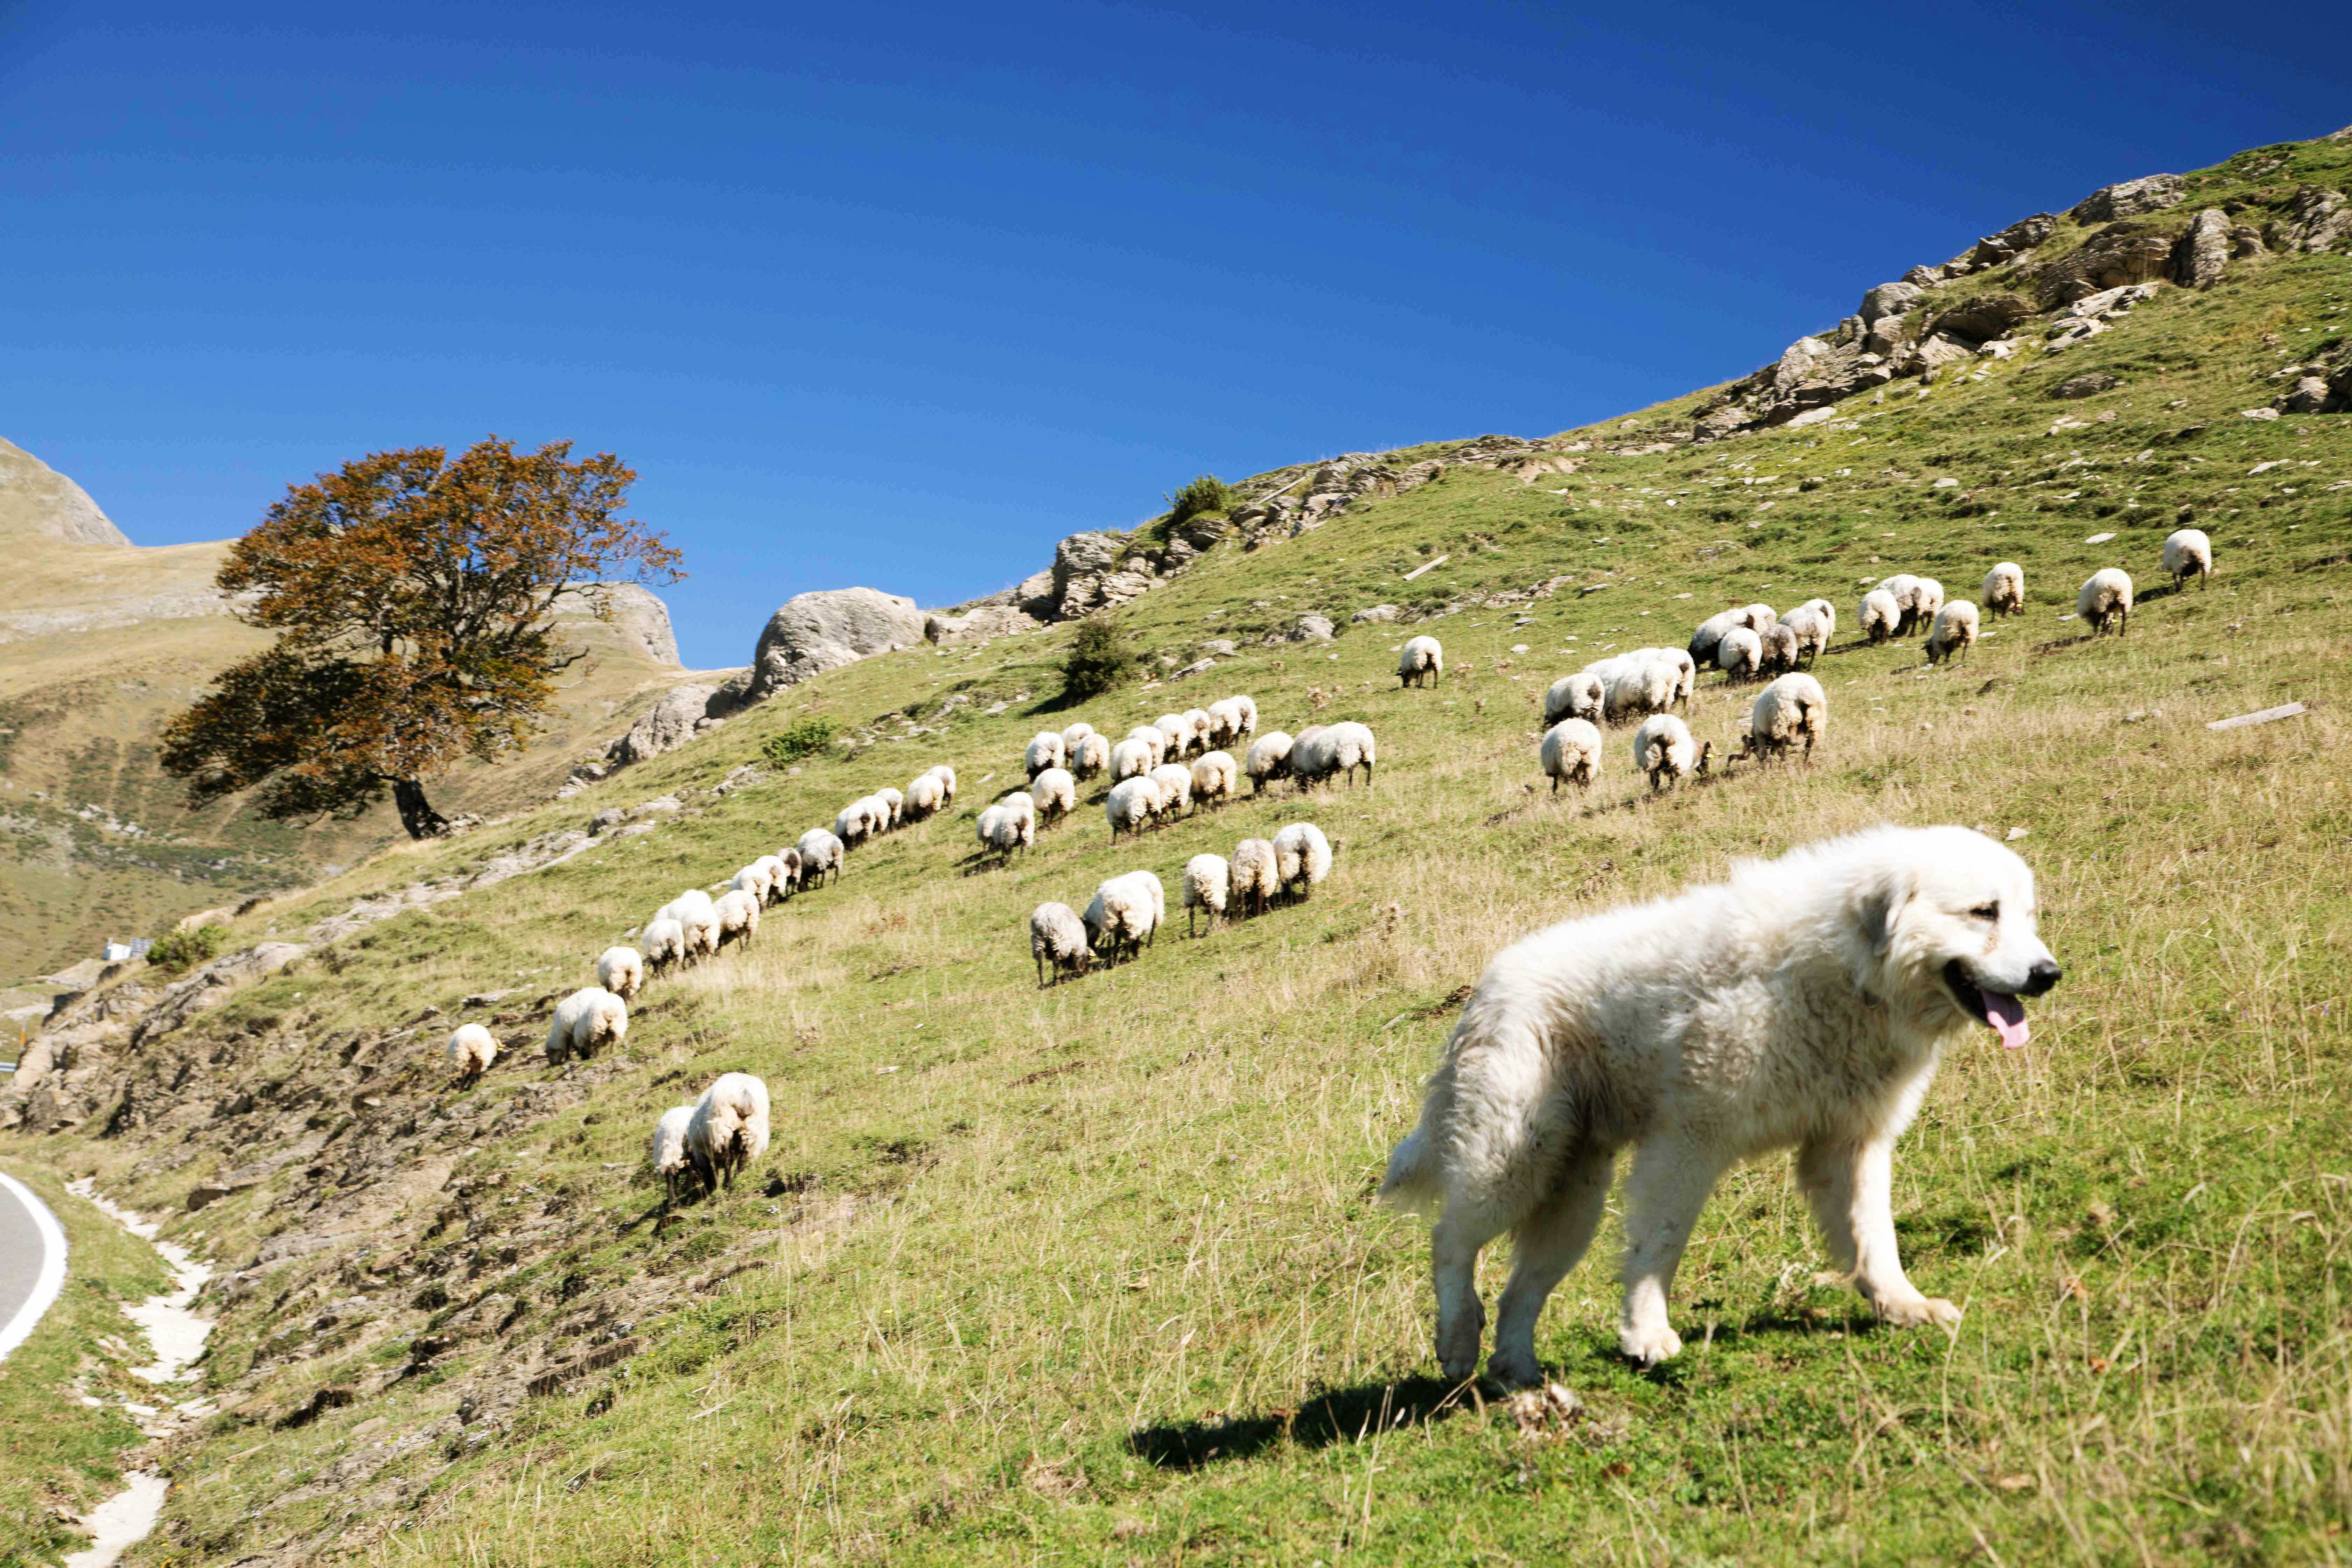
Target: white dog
[(1802, 1004)]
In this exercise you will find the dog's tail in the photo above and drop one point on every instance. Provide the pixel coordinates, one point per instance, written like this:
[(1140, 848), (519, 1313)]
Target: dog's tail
[(1412, 1181)]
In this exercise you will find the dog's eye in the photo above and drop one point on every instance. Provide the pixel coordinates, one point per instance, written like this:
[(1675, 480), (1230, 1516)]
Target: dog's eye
[(1990, 911)]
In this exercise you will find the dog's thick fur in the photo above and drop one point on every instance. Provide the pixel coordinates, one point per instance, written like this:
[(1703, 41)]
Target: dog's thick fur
[(1802, 1005)]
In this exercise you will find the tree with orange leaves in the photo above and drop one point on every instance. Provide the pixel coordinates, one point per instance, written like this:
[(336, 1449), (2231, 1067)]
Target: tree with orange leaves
[(414, 600)]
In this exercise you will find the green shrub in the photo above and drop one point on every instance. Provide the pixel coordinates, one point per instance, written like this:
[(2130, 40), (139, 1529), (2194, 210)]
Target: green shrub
[(1099, 660), (804, 738), (186, 948), (1204, 494)]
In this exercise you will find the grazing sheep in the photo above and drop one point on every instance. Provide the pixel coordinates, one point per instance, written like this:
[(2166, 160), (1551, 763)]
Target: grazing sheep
[(1056, 794), (1904, 586), (1131, 759), (1255, 875), (1578, 696), (693, 901), (739, 917), (1812, 624), (1009, 825), (924, 795), (1175, 785), (1268, 759), (1247, 707), (1685, 672), (1203, 730), (1075, 733), (1740, 655), (1126, 914), (1325, 750), (1955, 631), (1758, 619), (2105, 599), (1207, 880), (664, 945), (1781, 646), (1149, 735), (472, 1049), (1572, 754), (1133, 804), (622, 970), (1090, 756), (1637, 683), (1044, 752), (947, 777), (667, 1150), (788, 870), (1302, 857), (1880, 614), (589, 1017), (1662, 749), (1792, 707), (771, 866), (858, 821), (1174, 731), (897, 803), (701, 922), (820, 852), (1056, 936), (1225, 721), (1709, 634), (2004, 589), (1215, 776), (1421, 662), (2187, 554), (754, 879), (729, 1129)]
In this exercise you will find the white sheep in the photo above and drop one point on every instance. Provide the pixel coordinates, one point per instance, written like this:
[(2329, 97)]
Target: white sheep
[(729, 1129), (754, 879), (1057, 937), (858, 821), (1126, 913), (1077, 731), (1268, 759), (1572, 754), (770, 867), (2106, 599), (589, 1017), (2187, 554), (739, 917), (1203, 731), (1781, 646), (1792, 707), (1090, 756), (1056, 794), (1927, 599), (1662, 749), (1215, 776), (1175, 782), (1905, 587), (924, 795), (1175, 730), (472, 1049), (1254, 875), (1133, 804), (1319, 752), (1758, 619), (1880, 614), (788, 871), (1636, 683), (1955, 631), (1579, 696), (1685, 672), (621, 970), (1131, 759), (693, 901), (1009, 825), (697, 919), (1739, 654), (1709, 634), (947, 777), (1812, 624), (1045, 751), (896, 804), (2004, 589), (1302, 857), (666, 1150), (1246, 706), (1421, 663), (664, 945), (820, 852), (1149, 735), (1225, 721), (1207, 880)]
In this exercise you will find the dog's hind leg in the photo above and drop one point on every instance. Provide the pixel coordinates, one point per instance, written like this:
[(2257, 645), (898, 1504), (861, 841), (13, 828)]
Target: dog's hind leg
[(1850, 1187), (1547, 1243), (1453, 1245), (1663, 1192)]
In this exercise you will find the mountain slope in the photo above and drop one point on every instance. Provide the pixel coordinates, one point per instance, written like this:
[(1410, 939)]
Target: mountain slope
[(1094, 1270)]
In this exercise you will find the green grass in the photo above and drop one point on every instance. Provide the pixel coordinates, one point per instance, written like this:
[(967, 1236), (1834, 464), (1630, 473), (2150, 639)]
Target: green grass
[(1093, 1273)]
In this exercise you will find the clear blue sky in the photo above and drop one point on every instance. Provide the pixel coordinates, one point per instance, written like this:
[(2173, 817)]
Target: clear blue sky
[(901, 295)]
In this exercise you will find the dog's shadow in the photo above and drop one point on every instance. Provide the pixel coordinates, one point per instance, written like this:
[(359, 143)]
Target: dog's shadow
[(1342, 1416)]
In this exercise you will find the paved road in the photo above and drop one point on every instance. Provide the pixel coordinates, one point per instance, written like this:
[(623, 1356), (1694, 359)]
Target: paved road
[(32, 1261)]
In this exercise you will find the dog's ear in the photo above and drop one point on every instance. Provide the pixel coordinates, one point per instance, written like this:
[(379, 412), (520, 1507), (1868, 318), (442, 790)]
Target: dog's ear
[(1878, 907)]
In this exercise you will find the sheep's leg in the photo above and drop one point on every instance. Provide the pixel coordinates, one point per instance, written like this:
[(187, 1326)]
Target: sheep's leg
[(1546, 1245), (1849, 1189), (1667, 1186)]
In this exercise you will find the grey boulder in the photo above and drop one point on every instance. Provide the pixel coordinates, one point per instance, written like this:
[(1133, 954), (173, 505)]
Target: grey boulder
[(2130, 198), (813, 633)]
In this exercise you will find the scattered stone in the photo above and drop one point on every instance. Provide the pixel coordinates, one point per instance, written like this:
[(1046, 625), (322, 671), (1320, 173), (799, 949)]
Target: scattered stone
[(2258, 413), (1311, 629), (2090, 383), (2129, 198), (2267, 716), (1376, 612)]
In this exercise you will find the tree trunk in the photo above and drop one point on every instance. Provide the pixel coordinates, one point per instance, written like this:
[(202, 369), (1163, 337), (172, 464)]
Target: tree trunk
[(417, 813)]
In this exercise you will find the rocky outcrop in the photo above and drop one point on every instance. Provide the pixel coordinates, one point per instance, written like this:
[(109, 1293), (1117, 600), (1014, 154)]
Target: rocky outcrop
[(2118, 256), (1980, 318), (814, 632), (2315, 219), (2131, 198), (2200, 255), (37, 499), (976, 625), (636, 613), (1093, 571), (676, 716)]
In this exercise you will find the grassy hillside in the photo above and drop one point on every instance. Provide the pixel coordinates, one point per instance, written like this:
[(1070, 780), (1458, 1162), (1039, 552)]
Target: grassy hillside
[(1094, 1272)]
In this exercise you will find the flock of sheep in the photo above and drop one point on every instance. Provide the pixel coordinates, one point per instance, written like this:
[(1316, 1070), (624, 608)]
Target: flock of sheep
[(707, 1142)]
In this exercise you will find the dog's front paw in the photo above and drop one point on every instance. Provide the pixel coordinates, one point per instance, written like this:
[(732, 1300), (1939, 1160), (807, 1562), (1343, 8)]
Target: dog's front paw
[(1457, 1345), (1649, 1345), (1514, 1369), (1914, 1311)]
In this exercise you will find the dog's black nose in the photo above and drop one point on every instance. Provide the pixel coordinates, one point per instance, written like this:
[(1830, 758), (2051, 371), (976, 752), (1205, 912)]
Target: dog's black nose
[(2044, 974)]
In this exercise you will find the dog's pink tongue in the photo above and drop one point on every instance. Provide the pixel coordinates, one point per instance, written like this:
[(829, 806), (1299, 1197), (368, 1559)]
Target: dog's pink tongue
[(2006, 1015)]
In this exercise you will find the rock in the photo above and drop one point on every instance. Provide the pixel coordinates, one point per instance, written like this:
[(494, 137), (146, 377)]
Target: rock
[(39, 500), (1924, 276), (1088, 575), (207, 1192), (676, 718), (2088, 384), (976, 625), (814, 632), (1797, 362), (1224, 647), (2257, 413), (2000, 348), (1999, 249), (2245, 240), (1311, 629), (2199, 256), (1034, 595), (1937, 350), (2317, 219), (211, 985), (2131, 198), (2308, 395), (2119, 254), (1725, 420), (1888, 300), (1981, 317), (1376, 612), (1198, 667), (634, 612)]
